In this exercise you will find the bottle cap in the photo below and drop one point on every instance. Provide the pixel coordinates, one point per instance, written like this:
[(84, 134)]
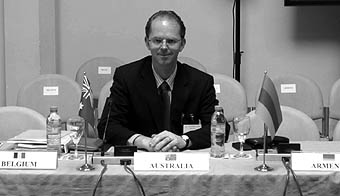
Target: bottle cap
[(54, 109), (218, 107)]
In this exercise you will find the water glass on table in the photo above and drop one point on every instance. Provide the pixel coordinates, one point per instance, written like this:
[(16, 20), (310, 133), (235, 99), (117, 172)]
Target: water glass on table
[(75, 125), (241, 126)]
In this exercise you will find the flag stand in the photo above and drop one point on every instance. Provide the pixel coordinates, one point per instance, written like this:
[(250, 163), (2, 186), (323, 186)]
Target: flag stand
[(86, 166), (264, 167)]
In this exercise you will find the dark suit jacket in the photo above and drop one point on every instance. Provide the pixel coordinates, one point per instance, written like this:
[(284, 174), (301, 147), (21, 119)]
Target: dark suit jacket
[(136, 104)]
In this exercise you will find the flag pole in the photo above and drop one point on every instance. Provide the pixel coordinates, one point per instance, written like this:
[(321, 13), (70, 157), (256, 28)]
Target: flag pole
[(264, 167), (86, 100), (86, 166), (264, 78)]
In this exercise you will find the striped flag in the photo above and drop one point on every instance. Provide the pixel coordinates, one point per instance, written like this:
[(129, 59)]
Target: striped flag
[(85, 109), (268, 106)]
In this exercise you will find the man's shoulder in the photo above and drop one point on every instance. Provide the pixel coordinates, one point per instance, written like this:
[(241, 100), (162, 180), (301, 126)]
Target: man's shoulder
[(194, 72), (135, 65)]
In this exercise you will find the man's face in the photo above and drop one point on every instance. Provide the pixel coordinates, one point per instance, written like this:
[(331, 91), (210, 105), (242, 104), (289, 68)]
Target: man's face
[(164, 42)]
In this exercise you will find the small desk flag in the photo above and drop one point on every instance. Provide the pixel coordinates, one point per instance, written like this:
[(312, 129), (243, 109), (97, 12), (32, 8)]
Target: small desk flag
[(85, 109), (268, 106)]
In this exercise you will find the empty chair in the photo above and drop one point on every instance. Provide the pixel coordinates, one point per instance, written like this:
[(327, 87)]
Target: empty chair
[(192, 62), (15, 120), (336, 132), (334, 107), (231, 96), (51, 90), (99, 71), (296, 125), (104, 93), (302, 93)]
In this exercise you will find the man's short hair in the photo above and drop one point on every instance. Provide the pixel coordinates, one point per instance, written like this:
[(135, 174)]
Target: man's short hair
[(165, 14)]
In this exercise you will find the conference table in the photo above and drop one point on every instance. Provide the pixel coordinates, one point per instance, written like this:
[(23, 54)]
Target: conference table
[(225, 177)]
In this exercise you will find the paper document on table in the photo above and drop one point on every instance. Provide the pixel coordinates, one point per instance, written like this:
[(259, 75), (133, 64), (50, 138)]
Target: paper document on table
[(30, 136), (37, 136), (31, 146)]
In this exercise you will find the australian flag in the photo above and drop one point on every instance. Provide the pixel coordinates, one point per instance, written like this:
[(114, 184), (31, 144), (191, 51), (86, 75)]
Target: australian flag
[(85, 109)]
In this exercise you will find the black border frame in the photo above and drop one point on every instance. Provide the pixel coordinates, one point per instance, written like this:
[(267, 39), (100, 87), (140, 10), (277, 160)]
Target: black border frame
[(311, 2)]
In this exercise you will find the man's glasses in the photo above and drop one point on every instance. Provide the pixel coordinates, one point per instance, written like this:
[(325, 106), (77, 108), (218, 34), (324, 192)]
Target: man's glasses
[(156, 41)]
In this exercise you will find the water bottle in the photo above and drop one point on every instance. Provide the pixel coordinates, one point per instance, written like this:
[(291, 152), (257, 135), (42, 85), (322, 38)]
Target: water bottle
[(53, 130), (218, 123)]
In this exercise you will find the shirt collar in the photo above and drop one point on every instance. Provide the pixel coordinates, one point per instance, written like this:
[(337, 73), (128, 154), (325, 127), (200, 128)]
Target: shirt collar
[(170, 80)]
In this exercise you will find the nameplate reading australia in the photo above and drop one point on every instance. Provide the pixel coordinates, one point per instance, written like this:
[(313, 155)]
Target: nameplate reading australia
[(171, 161), (315, 161), (28, 159)]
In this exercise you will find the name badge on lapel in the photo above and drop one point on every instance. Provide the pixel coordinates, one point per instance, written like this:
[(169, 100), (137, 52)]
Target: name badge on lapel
[(190, 122)]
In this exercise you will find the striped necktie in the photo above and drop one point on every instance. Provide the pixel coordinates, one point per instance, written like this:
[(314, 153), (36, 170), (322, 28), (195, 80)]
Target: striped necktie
[(164, 90)]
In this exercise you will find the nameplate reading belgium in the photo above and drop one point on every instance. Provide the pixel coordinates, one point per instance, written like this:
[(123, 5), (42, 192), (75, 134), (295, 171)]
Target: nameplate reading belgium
[(171, 161), (28, 160), (315, 161)]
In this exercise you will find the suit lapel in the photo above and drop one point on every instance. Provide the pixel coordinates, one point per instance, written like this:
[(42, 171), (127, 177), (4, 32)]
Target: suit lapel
[(180, 91), (146, 85)]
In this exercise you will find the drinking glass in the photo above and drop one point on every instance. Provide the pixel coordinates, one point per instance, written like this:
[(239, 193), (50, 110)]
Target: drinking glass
[(76, 126), (241, 127)]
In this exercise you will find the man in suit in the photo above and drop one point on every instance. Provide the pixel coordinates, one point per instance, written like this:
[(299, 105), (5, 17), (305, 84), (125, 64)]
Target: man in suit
[(139, 113)]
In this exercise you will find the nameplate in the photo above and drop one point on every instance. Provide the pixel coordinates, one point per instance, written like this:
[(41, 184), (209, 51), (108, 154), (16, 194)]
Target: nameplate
[(288, 88), (171, 161), (315, 161), (104, 70), (50, 90), (191, 127), (217, 88), (28, 159)]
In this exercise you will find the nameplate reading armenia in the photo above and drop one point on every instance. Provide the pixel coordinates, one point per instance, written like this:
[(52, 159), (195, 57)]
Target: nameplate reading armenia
[(171, 161), (28, 160), (314, 161)]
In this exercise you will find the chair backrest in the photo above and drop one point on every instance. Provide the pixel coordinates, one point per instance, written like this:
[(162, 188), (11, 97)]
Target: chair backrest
[(334, 103), (336, 132), (192, 62), (296, 125), (51, 90), (231, 95), (99, 71), (300, 92), (334, 106), (104, 93), (14, 120)]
